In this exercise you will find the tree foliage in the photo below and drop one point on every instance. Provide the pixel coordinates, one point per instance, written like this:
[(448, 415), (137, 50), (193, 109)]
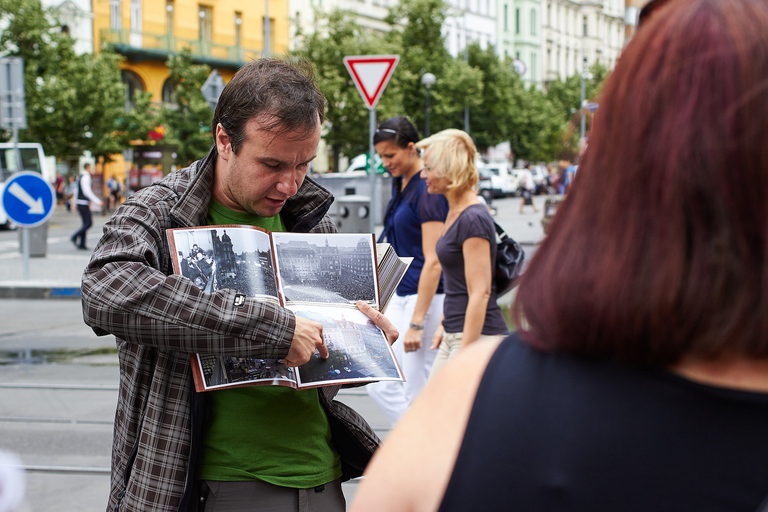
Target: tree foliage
[(188, 119), (73, 101), (336, 35)]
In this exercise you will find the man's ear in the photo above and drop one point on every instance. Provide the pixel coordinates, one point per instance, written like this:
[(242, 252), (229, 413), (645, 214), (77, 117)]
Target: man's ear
[(223, 142)]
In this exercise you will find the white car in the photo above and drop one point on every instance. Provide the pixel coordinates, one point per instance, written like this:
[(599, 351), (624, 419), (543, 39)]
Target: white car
[(503, 181)]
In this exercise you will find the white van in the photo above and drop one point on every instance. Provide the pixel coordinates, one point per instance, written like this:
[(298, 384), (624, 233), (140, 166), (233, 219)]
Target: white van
[(32, 159), (503, 181)]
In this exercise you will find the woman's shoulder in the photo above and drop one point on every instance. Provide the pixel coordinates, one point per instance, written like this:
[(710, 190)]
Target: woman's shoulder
[(476, 221)]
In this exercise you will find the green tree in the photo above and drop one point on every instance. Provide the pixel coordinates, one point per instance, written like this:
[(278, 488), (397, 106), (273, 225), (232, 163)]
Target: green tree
[(188, 119), (491, 121), (536, 131), (416, 32), (565, 98), (73, 101), (336, 35), (136, 123)]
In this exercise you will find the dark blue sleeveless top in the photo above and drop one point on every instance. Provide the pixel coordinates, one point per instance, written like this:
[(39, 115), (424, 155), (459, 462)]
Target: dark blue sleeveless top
[(550, 432)]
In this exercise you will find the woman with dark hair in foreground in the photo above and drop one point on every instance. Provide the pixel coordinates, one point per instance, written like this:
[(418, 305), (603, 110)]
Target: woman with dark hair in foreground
[(640, 380)]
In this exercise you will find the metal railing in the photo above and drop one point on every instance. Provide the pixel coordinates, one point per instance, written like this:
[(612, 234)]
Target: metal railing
[(171, 44)]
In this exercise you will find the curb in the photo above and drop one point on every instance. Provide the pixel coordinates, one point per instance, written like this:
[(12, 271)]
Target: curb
[(39, 292)]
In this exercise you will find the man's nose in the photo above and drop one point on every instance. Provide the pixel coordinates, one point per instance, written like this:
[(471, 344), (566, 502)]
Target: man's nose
[(289, 184)]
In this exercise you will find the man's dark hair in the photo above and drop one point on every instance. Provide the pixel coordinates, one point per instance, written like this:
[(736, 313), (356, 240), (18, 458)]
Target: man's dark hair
[(286, 92), (397, 129)]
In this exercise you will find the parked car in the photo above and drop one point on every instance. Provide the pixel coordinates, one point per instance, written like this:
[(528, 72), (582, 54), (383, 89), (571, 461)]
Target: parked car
[(32, 159), (503, 182), (485, 185)]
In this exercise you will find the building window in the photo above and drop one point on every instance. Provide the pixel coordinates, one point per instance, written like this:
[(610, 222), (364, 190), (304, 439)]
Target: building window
[(205, 25), (533, 22), (271, 42), (534, 66), (135, 15), (169, 17), (115, 15), (517, 20), (238, 28), (506, 21), (133, 84), (169, 87), (585, 26)]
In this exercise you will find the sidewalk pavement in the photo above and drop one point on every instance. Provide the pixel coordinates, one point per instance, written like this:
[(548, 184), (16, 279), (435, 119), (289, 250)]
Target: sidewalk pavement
[(57, 274)]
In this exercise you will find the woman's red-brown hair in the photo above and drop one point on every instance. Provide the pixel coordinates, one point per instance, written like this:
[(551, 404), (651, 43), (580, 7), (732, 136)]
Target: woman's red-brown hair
[(660, 249)]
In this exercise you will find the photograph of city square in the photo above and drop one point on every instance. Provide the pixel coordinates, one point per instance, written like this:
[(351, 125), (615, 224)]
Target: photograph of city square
[(317, 268), (358, 350), (220, 371)]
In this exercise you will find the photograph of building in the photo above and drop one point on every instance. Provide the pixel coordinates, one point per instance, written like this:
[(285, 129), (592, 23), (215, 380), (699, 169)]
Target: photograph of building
[(336, 269)]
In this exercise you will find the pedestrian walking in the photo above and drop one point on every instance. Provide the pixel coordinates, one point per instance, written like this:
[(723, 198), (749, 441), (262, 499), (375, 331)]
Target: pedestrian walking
[(638, 378), (526, 181), (115, 193), (413, 222), (253, 448), (82, 199), (466, 247)]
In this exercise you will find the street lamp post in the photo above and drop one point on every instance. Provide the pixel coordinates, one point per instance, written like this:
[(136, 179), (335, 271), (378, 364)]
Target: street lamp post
[(427, 80)]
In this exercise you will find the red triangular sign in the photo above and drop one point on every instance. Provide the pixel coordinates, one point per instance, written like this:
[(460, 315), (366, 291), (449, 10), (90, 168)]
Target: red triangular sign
[(371, 74)]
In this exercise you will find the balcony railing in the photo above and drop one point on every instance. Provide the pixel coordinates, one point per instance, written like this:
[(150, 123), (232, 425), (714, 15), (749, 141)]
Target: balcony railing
[(127, 41)]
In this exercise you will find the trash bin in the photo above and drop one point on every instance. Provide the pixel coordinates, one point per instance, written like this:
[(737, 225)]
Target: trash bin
[(550, 208), (38, 240), (354, 213)]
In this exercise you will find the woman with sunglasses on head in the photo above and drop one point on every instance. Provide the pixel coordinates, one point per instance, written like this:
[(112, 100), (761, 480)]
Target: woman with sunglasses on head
[(466, 247), (638, 379), (412, 224)]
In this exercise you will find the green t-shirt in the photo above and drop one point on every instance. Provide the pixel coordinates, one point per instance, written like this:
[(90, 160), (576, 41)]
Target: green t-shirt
[(272, 433)]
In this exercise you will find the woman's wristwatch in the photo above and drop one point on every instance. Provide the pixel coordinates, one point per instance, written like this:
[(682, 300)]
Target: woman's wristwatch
[(417, 327)]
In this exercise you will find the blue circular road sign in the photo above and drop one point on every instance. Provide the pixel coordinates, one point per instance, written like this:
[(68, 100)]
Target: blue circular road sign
[(28, 199)]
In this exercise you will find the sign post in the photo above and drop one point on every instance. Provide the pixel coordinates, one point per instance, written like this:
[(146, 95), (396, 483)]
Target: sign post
[(371, 73), (212, 88), (28, 200), (13, 108)]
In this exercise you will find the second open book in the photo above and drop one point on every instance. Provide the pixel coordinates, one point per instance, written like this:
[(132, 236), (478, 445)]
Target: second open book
[(317, 276)]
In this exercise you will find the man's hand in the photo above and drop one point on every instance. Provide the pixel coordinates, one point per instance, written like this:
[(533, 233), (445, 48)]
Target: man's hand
[(307, 336), (382, 322)]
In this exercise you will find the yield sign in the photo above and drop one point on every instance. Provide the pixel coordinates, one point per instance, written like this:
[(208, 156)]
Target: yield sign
[(371, 74)]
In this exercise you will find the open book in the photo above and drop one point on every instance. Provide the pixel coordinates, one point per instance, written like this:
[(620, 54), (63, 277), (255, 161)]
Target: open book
[(318, 276)]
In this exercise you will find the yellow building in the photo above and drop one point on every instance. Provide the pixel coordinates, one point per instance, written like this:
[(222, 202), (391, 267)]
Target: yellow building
[(221, 33), (224, 34)]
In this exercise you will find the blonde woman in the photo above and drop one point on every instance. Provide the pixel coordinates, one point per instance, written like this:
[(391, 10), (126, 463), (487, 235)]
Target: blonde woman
[(466, 247)]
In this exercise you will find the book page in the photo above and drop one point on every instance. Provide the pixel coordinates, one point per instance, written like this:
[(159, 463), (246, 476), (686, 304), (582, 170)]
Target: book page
[(227, 372), (218, 257), (331, 269), (358, 350)]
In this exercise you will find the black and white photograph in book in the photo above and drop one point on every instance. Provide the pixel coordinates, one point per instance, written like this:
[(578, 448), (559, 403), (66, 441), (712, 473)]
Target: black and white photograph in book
[(338, 269), (229, 257), (357, 348), (227, 370)]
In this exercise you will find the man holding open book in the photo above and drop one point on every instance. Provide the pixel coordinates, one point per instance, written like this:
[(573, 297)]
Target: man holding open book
[(252, 448)]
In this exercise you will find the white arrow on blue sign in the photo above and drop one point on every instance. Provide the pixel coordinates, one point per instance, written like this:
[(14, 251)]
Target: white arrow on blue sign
[(28, 199)]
